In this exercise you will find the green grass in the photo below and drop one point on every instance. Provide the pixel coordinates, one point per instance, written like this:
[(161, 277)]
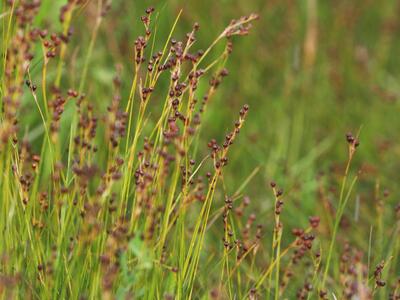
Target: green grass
[(120, 180)]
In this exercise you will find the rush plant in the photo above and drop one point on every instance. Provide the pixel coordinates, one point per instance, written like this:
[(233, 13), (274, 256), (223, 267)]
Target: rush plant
[(116, 194)]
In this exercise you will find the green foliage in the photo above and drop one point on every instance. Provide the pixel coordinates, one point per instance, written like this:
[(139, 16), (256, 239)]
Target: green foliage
[(126, 171)]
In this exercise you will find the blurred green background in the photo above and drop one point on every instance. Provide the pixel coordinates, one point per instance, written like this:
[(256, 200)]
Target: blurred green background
[(310, 70)]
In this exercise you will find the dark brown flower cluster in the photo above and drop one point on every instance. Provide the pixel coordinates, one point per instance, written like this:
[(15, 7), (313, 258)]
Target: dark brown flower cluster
[(353, 143), (115, 245), (240, 26), (378, 274), (117, 121), (351, 270), (303, 292), (304, 243), (218, 153)]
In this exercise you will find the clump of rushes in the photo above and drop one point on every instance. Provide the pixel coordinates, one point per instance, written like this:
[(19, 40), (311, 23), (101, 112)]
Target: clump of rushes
[(126, 200), (112, 211)]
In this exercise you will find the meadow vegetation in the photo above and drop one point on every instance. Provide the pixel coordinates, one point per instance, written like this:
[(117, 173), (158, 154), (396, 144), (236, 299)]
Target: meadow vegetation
[(184, 151)]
